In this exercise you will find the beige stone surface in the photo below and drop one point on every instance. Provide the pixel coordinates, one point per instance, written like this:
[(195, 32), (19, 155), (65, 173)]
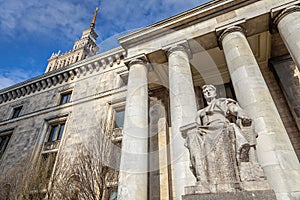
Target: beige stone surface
[(134, 157), (163, 161), (275, 152), (96, 82), (289, 29), (183, 111)]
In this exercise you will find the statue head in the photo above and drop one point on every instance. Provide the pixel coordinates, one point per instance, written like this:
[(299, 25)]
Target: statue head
[(209, 92)]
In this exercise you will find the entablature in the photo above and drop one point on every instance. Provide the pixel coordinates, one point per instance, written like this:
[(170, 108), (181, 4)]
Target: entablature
[(199, 25)]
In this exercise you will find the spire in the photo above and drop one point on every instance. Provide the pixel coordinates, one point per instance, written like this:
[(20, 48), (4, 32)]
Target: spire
[(93, 22)]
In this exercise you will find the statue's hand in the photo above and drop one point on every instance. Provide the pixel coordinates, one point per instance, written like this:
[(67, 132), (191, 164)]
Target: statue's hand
[(200, 131), (246, 121)]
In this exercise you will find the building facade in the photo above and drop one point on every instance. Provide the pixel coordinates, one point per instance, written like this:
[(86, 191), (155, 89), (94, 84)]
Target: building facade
[(136, 97)]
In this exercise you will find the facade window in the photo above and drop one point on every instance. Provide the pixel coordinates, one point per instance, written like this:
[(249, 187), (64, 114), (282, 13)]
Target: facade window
[(47, 165), (16, 112), (4, 140), (118, 126), (65, 98), (123, 79), (119, 118), (56, 132), (113, 193)]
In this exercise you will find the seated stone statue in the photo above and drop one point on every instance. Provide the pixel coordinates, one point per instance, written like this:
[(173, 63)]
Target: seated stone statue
[(218, 144)]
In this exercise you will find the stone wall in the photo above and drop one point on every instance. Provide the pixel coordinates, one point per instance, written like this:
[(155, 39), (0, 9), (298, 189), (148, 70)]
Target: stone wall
[(87, 115), (282, 106)]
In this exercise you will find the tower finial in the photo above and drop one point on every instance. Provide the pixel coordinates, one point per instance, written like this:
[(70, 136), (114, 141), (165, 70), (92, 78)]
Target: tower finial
[(93, 22)]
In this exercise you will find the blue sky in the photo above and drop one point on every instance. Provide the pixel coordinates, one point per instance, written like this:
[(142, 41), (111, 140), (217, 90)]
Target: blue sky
[(30, 30)]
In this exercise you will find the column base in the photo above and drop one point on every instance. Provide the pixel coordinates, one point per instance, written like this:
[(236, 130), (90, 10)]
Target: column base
[(260, 185), (239, 195)]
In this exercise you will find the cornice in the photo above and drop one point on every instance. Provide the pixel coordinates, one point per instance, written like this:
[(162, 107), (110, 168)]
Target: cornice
[(65, 74)]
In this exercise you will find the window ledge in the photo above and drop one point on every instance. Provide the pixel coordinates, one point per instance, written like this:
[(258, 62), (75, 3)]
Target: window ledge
[(117, 135), (48, 146)]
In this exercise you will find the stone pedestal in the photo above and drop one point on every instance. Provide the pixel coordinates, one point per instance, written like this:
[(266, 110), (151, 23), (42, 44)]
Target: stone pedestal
[(239, 195), (250, 184)]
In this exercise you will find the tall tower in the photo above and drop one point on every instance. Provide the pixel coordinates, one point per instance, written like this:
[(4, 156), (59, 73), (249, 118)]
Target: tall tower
[(84, 47)]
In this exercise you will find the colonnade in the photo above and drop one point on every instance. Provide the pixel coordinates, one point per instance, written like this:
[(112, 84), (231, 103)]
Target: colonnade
[(275, 152)]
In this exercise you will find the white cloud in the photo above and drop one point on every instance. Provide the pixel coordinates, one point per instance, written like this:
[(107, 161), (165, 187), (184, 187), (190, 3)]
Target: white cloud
[(5, 82), (122, 15), (53, 18), (62, 21), (14, 76)]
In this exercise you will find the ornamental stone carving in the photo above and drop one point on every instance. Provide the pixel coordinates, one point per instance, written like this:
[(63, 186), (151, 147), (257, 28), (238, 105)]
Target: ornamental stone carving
[(183, 47), (230, 30), (139, 59), (135, 61)]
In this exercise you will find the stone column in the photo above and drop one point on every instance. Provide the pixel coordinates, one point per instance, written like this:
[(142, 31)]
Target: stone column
[(183, 111), (134, 154), (275, 152), (288, 24)]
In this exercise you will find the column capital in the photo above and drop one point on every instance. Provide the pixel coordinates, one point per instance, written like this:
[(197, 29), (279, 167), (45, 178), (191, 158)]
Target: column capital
[(138, 59), (223, 31), (286, 12), (230, 30), (179, 46)]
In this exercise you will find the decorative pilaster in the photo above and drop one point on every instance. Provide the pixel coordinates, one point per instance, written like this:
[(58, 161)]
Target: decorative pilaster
[(133, 175), (275, 152), (288, 25), (183, 111)]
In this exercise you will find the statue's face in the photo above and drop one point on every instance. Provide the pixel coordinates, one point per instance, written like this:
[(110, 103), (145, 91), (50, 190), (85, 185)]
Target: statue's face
[(209, 93)]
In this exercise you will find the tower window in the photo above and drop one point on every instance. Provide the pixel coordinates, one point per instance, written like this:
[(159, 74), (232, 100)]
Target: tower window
[(56, 132), (4, 140), (119, 118), (47, 164), (65, 98), (16, 112)]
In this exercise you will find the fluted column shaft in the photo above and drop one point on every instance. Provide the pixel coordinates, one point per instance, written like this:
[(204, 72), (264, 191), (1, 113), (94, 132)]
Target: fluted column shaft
[(288, 24), (183, 111), (275, 152), (134, 153)]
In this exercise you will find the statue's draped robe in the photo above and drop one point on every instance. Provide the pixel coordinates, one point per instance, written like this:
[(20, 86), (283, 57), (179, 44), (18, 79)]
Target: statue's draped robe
[(216, 145)]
